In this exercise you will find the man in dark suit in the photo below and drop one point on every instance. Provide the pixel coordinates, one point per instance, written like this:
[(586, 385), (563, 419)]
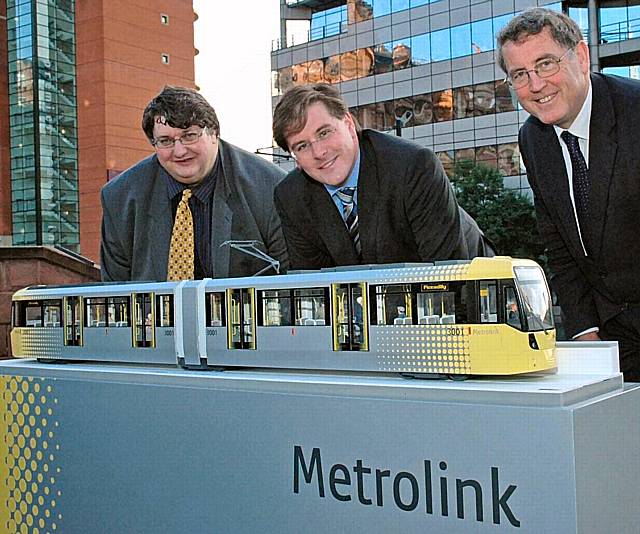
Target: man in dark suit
[(362, 197), (580, 148), (230, 197)]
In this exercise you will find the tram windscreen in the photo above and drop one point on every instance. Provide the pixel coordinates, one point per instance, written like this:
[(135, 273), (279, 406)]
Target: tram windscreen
[(535, 298)]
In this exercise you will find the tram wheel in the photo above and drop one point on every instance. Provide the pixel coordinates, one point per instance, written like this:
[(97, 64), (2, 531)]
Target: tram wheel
[(458, 378)]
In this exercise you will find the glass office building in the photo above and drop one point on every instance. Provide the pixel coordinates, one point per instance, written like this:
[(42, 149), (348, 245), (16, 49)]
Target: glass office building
[(42, 122), (428, 68)]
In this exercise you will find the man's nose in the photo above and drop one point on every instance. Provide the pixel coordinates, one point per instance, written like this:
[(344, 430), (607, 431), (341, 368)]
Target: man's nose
[(179, 148), (317, 149), (536, 83)]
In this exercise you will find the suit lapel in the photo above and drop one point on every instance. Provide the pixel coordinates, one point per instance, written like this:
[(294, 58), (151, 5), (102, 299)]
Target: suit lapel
[(161, 226), (221, 220), (554, 183), (602, 154), (329, 223), (368, 193)]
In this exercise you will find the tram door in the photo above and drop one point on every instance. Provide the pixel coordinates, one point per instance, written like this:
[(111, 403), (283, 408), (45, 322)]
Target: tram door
[(144, 332), (241, 318), (72, 321), (350, 318)]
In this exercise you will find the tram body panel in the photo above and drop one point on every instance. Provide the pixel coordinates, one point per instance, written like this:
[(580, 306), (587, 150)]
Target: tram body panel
[(27, 342), (418, 349), (499, 346), (294, 347), (489, 316)]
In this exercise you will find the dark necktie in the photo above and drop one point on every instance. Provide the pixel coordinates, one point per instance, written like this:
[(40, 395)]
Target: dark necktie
[(580, 179), (350, 215)]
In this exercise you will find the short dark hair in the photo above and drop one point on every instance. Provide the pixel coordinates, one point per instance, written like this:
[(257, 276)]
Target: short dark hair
[(290, 114), (182, 108), (564, 30)]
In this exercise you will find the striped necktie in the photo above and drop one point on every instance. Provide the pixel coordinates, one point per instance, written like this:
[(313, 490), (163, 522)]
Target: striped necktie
[(350, 215), (181, 250)]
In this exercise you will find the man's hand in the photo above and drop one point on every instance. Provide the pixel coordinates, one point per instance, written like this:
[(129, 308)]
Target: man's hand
[(591, 336)]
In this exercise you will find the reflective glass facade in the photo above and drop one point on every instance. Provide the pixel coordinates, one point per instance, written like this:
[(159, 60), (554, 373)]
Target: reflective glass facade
[(426, 70), (42, 115), (447, 43), (619, 21), (331, 21), (327, 23)]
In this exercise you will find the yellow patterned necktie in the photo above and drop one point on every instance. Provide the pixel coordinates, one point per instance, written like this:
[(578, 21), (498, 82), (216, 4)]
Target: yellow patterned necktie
[(181, 254)]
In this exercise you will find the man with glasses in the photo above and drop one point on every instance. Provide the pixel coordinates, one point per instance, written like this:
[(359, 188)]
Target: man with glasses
[(362, 197), (216, 191), (580, 148)]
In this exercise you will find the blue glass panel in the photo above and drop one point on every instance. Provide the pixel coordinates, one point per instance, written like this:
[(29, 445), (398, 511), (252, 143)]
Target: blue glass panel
[(482, 36), (613, 24), (581, 16), (421, 49), (416, 3), (461, 40), (441, 45), (399, 5), (501, 22), (333, 16), (381, 7)]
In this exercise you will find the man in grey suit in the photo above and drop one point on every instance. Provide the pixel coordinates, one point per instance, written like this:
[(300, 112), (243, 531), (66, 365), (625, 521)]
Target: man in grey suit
[(362, 197), (580, 148), (231, 197)]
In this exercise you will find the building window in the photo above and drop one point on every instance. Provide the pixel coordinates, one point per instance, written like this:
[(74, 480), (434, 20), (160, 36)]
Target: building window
[(165, 59), (164, 19)]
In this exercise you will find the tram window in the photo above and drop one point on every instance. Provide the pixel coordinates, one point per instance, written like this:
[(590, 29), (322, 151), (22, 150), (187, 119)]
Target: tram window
[(437, 307), (215, 309), (164, 310), (309, 306), (511, 312), (95, 313), (33, 314), (118, 312), (393, 305), (276, 307), (52, 313), (535, 298), (488, 305)]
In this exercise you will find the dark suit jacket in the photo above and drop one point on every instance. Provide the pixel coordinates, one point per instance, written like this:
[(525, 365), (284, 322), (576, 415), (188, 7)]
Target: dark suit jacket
[(592, 289), (137, 218), (407, 211)]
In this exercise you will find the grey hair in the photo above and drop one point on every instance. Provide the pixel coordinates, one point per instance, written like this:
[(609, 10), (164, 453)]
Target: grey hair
[(564, 30)]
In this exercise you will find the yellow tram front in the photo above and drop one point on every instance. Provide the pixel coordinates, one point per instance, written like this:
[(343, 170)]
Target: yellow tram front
[(516, 333)]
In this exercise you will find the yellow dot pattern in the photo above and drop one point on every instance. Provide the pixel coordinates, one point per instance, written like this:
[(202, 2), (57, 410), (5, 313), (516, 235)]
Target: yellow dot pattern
[(424, 349), (426, 273), (29, 463), (181, 251), (37, 342)]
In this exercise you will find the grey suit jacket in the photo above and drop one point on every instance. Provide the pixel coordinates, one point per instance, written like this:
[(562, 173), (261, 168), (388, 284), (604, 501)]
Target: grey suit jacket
[(407, 211), (137, 218), (593, 288)]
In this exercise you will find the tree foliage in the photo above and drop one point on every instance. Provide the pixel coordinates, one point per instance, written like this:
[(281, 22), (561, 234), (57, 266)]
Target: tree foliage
[(507, 217)]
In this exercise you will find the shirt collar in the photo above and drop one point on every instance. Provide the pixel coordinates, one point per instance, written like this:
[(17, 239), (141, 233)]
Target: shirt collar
[(202, 191), (580, 125), (351, 181)]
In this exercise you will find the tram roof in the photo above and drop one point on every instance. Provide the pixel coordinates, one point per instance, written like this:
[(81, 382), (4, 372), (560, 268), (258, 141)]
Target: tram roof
[(500, 267)]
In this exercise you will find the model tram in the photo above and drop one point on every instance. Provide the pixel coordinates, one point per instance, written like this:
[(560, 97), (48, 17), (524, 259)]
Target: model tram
[(487, 316)]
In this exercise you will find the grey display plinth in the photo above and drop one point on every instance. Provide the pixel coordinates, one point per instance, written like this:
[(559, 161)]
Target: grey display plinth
[(139, 449)]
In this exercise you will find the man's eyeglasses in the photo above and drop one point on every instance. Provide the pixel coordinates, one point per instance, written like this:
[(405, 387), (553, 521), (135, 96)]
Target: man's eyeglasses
[(187, 138), (303, 148), (544, 68)]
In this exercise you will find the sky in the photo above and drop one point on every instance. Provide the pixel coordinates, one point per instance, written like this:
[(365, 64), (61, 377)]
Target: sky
[(233, 69)]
